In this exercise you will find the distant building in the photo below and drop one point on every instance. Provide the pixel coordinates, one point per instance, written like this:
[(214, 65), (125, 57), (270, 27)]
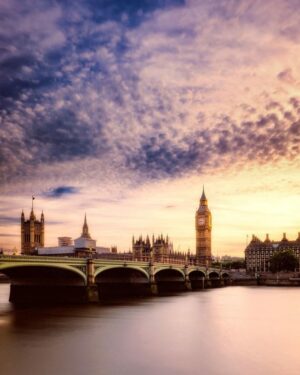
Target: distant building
[(32, 233), (229, 258), (57, 251), (65, 241), (203, 231), (258, 253), (160, 246), (84, 246)]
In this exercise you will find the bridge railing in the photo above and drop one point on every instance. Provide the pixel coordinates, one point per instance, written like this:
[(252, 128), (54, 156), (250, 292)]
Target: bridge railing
[(165, 259), (170, 259)]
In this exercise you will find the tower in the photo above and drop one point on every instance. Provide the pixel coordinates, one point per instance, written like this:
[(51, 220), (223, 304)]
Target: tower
[(203, 231), (32, 233)]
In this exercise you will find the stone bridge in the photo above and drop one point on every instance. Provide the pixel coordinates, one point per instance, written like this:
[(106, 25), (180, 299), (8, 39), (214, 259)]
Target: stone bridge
[(86, 280)]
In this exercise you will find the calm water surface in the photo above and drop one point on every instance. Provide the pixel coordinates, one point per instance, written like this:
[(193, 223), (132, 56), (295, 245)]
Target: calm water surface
[(234, 330)]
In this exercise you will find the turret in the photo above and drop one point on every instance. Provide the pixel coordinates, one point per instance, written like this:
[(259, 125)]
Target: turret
[(42, 234), (31, 229), (22, 230)]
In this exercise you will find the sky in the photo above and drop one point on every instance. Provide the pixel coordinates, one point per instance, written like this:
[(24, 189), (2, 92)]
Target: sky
[(124, 110)]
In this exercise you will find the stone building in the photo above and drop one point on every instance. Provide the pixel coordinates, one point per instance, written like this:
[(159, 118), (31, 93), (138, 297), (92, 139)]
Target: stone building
[(32, 233), (203, 224), (160, 246), (258, 253)]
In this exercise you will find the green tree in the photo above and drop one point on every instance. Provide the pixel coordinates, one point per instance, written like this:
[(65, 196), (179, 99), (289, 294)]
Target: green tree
[(283, 261)]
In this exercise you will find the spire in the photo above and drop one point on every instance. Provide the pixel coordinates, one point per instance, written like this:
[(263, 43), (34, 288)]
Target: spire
[(203, 199), (85, 229), (32, 217), (267, 240)]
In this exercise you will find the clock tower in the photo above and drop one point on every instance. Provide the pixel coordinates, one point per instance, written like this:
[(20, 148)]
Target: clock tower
[(203, 231)]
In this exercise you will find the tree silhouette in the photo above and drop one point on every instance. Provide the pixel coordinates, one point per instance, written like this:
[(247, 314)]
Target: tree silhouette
[(283, 261)]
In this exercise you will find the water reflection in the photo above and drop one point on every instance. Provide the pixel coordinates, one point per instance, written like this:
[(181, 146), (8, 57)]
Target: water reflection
[(235, 330)]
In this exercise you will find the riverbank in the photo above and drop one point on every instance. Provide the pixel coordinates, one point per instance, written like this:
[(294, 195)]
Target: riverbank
[(267, 279)]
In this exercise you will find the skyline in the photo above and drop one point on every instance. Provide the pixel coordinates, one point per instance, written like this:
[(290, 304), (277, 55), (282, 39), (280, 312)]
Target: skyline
[(118, 111)]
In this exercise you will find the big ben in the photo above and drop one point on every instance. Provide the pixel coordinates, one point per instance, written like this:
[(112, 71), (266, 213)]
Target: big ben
[(203, 231)]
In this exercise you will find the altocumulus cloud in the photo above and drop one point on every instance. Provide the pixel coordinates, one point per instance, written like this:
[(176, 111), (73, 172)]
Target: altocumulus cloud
[(100, 89)]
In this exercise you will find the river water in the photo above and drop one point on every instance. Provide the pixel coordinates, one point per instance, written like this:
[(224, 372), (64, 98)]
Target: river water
[(233, 330)]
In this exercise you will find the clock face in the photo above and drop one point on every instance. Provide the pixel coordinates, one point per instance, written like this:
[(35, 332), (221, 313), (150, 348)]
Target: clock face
[(201, 221)]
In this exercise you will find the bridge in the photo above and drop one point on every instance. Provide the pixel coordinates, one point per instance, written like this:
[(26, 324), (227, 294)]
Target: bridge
[(71, 279)]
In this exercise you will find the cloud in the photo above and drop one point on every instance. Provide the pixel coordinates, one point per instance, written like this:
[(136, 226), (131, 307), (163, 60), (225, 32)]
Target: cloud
[(118, 91), (9, 235), (7, 220), (287, 76), (61, 191)]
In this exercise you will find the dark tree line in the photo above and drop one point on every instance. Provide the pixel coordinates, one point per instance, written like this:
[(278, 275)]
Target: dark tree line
[(283, 261)]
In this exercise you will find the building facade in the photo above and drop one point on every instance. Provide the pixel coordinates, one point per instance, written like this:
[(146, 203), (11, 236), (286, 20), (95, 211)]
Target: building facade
[(203, 224), (160, 247), (258, 253), (32, 233)]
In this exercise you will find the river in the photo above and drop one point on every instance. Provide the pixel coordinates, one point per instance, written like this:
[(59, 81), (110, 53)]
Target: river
[(233, 330)]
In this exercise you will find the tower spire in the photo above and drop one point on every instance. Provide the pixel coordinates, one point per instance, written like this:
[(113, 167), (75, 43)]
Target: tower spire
[(203, 196), (85, 229), (32, 217)]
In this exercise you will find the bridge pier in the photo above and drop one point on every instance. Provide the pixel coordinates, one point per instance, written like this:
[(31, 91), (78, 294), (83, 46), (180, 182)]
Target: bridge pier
[(153, 284), (90, 270), (187, 281), (92, 293)]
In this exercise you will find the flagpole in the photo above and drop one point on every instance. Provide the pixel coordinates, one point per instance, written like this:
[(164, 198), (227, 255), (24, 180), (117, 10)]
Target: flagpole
[(33, 198)]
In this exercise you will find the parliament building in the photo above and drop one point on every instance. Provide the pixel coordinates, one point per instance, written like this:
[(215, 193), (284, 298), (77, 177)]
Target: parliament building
[(160, 247)]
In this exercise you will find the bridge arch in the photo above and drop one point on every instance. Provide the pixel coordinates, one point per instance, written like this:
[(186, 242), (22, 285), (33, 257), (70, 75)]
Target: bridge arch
[(225, 275), (6, 268), (213, 275), (120, 280), (161, 269), (197, 279), (100, 270), (198, 272)]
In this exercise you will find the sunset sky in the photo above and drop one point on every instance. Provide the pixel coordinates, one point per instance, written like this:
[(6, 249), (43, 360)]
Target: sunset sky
[(124, 109)]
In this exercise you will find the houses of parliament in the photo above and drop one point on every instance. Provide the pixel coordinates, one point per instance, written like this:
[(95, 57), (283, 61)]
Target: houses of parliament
[(163, 248), (33, 237)]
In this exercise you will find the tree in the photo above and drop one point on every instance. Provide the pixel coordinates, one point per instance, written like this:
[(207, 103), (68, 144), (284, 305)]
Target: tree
[(283, 261)]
